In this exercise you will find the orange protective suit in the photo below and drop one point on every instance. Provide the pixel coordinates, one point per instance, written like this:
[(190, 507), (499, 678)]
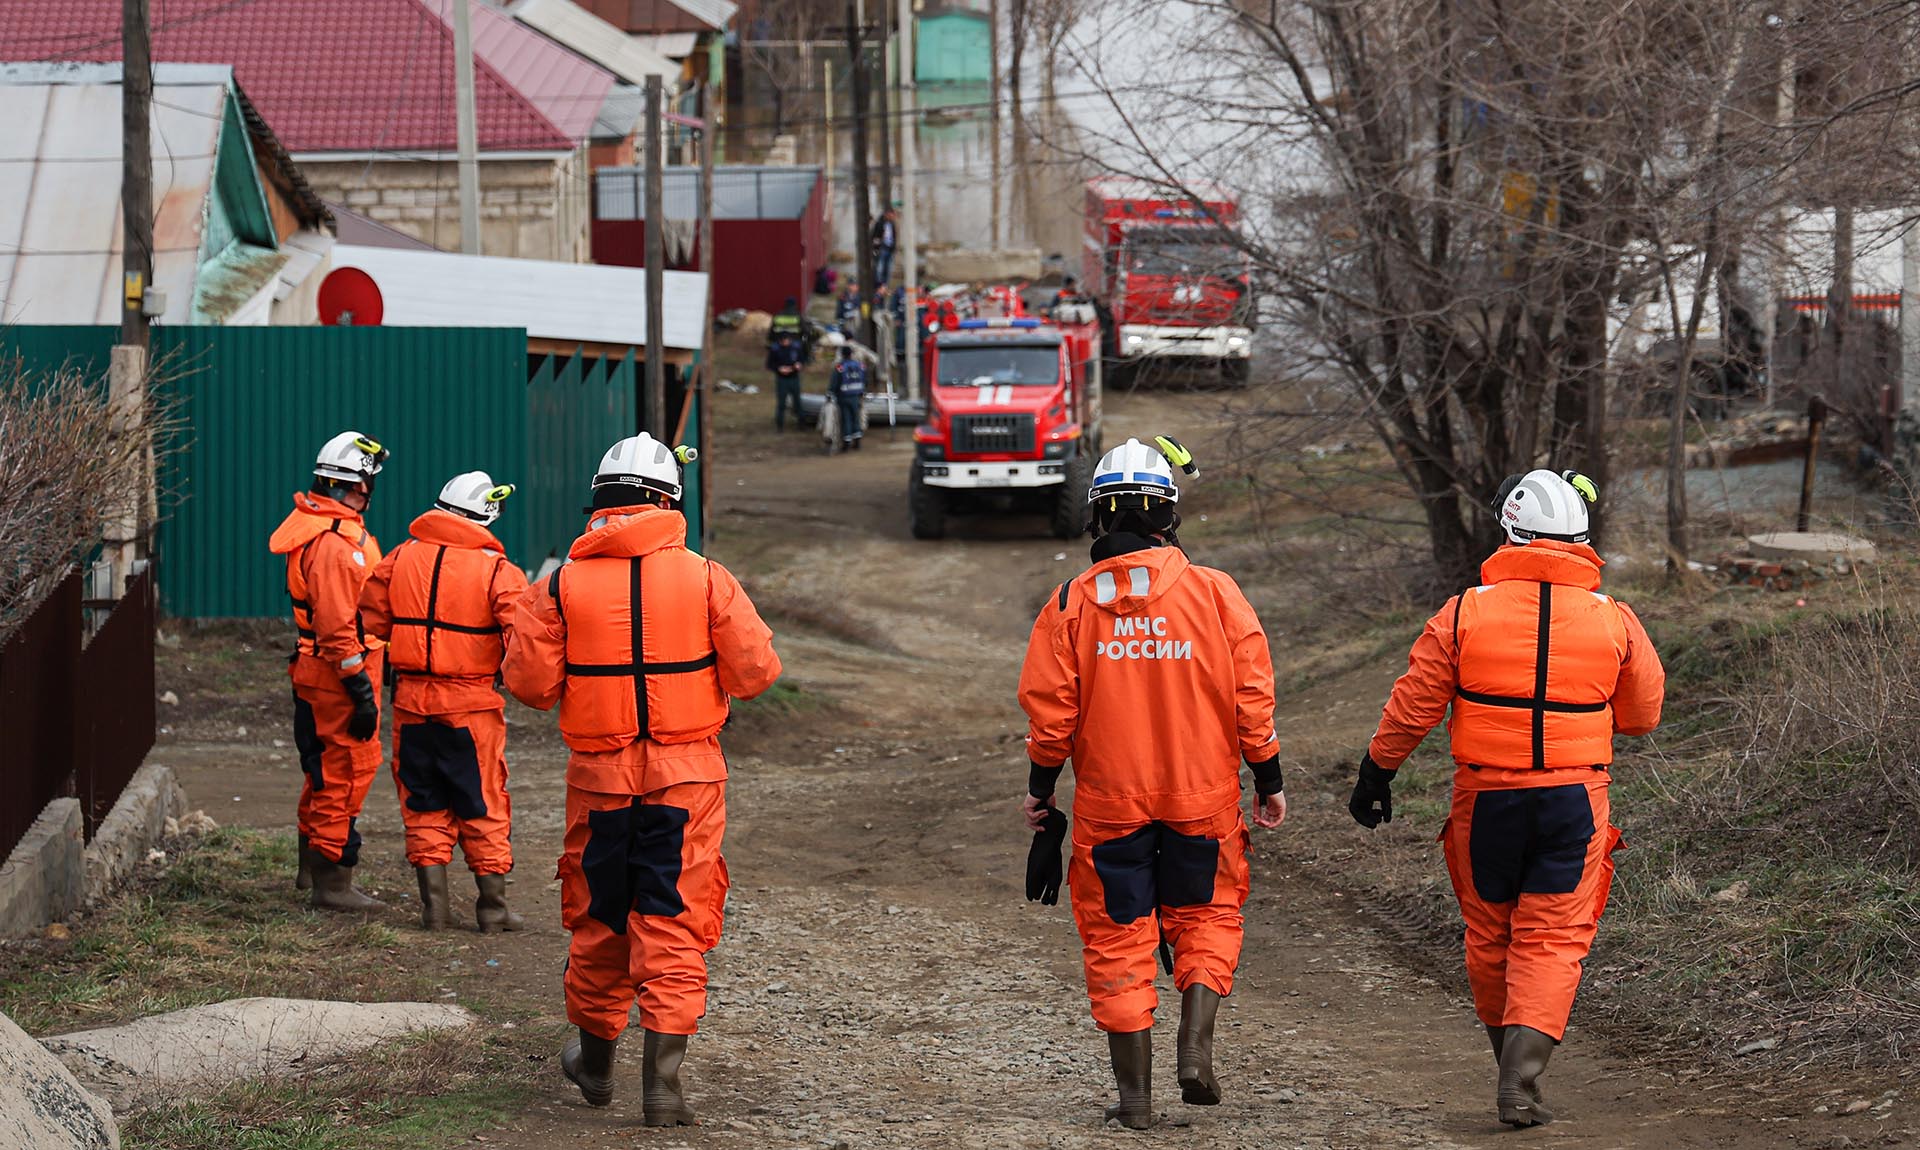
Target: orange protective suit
[(1154, 676), (1540, 669), (443, 600), (641, 642), (329, 554)]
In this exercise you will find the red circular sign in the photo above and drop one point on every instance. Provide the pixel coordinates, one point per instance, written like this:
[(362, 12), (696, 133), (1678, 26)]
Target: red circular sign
[(348, 296)]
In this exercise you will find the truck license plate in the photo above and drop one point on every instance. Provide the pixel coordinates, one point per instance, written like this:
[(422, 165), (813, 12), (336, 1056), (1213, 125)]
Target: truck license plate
[(996, 481)]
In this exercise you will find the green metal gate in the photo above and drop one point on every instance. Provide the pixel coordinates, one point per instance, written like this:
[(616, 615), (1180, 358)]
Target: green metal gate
[(254, 405)]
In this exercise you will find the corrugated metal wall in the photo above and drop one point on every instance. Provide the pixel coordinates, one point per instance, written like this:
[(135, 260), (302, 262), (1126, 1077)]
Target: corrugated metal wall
[(255, 404)]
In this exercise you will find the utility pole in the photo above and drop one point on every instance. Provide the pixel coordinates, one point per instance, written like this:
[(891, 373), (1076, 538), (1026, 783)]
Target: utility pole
[(993, 115), (827, 80), (653, 406), (886, 109), (127, 365), (464, 129), (862, 186), (709, 135), (910, 333)]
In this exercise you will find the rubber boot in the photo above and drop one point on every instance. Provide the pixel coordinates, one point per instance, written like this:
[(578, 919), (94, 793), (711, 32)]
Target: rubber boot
[(490, 911), (333, 887), (588, 1062), (435, 904), (1498, 1036), (1198, 1005), (662, 1103), (1132, 1056), (1523, 1058), (303, 879)]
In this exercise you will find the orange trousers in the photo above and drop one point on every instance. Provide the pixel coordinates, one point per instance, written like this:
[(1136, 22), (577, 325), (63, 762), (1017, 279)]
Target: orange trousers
[(1532, 867), (643, 890), (1131, 884), (451, 772), (339, 769)]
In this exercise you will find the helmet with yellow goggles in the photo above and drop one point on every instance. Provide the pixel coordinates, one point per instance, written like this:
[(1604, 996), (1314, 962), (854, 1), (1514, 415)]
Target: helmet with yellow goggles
[(474, 495)]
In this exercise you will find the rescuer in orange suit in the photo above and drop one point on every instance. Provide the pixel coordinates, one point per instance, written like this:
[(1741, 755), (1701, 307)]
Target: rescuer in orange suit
[(1540, 670), (641, 642), (1153, 675), (336, 666), (443, 600)]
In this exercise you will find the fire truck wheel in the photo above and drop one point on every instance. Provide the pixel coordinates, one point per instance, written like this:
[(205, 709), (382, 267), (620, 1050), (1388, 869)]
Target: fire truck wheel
[(1070, 502), (926, 507), (1234, 372)]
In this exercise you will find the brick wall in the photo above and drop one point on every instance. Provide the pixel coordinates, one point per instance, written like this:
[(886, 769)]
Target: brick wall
[(529, 209)]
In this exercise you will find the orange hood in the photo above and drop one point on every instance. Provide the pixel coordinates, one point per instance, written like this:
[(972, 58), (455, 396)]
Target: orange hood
[(624, 532), (1113, 580), (311, 515), (1545, 561), (445, 529)]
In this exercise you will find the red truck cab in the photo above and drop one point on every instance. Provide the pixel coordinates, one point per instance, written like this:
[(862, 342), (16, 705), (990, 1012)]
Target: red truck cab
[(1013, 419), (1168, 277)]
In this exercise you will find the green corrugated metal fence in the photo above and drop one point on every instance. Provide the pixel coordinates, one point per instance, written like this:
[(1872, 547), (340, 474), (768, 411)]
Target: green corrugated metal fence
[(254, 404)]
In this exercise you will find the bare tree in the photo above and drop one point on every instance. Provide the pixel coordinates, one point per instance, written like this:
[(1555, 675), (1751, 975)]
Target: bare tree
[(63, 466)]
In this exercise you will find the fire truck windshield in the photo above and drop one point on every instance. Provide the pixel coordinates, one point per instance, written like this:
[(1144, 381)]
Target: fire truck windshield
[(1190, 251), (987, 366)]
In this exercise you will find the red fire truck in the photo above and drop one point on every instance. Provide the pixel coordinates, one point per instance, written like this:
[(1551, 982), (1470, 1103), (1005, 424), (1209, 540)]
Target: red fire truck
[(1169, 282), (1013, 416)]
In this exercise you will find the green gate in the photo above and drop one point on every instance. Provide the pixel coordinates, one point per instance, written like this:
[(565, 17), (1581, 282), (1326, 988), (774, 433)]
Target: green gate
[(254, 404)]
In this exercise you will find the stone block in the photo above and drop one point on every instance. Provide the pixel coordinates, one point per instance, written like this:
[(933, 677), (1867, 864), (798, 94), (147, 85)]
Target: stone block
[(42, 1107), (44, 878), (134, 826)]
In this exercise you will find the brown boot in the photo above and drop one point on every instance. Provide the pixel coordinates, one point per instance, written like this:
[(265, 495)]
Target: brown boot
[(303, 878), (1132, 1056), (662, 1103), (333, 887), (1523, 1058), (588, 1062), (1198, 1005), (490, 909), (435, 903)]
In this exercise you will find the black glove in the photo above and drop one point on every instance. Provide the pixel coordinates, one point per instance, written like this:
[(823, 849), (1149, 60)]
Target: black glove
[(1373, 789), (1044, 873), (365, 723)]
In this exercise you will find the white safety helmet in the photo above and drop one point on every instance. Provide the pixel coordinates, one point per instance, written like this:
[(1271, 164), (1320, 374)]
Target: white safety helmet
[(350, 457), (644, 462), (1136, 468), (473, 495), (1545, 505)]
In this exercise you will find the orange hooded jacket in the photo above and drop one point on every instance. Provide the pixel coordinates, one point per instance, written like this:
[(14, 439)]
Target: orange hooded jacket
[(1539, 667), (701, 643), (442, 600), (1153, 675), (329, 554)]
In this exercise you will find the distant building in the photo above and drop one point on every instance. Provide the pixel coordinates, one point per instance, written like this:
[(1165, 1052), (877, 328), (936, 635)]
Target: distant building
[(239, 236), (952, 45)]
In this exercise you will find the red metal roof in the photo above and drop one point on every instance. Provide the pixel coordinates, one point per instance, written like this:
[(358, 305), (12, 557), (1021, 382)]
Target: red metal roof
[(328, 75)]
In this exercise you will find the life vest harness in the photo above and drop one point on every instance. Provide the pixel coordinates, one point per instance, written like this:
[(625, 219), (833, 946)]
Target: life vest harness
[(640, 669), (1538, 702), (431, 621)]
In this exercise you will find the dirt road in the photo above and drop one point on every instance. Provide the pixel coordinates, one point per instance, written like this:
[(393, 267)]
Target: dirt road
[(882, 982)]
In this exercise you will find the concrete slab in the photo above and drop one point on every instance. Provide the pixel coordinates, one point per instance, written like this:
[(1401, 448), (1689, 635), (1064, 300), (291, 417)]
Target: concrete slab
[(972, 265), (42, 1107), (210, 1046), (43, 879), (1819, 547)]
